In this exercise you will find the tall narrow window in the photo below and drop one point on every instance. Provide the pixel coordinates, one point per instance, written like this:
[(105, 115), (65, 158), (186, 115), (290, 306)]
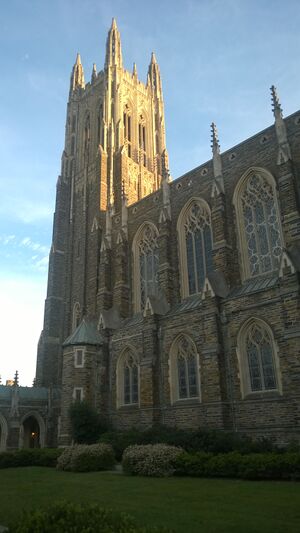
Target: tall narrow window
[(127, 129), (194, 227), (185, 382), (100, 135), (142, 141), (128, 378), (260, 359), (76, 316), (257, 358), (87, 133), (259, 226), (146, 264)]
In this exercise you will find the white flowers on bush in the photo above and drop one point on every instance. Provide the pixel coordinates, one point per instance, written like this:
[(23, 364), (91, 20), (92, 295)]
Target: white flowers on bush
[(84, 458), (150, 460)]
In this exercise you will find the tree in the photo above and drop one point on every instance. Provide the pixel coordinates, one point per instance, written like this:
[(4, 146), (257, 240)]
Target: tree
[(86, 423)]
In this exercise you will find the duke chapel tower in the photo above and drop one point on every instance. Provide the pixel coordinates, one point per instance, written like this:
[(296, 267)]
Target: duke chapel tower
[(115, 154), (171, 302)]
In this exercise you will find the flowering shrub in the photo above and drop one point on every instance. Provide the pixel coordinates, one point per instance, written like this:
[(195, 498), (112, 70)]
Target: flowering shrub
[(85, 458), (150, 460)]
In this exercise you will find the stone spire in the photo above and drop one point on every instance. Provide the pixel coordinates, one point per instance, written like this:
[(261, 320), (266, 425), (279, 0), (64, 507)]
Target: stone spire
[(113, 47), (94, 72), (77, 76), (284, 152)]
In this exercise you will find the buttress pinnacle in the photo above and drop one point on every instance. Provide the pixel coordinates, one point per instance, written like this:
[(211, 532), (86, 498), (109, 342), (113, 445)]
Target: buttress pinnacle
[(215, 145), (275, 102)]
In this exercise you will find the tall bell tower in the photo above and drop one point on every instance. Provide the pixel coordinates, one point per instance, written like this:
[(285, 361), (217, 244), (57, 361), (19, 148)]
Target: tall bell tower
[(115, 149)]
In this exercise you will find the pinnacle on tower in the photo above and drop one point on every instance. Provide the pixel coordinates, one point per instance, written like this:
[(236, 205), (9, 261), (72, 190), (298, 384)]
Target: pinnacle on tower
[(77, 76), (153, 58), (94, 72), (154, 75), (215, 145), (113, 47), (277, 110), (134, 70)]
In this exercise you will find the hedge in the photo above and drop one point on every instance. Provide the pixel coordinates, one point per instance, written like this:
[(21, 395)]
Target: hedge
[(30, 457), (72, 518), (285, 466), (214, 441)]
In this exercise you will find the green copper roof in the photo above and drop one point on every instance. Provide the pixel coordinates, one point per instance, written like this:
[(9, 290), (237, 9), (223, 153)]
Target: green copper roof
[(86, 333)]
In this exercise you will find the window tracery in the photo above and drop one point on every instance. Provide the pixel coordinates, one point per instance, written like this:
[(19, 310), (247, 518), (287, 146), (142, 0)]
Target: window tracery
[(195, 239), (147, 260), (184, 369), (128, 378), (258, 359), (259, 225)]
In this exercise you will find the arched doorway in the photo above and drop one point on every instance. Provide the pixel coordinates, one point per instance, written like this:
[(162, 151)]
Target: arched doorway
[(31, 435)]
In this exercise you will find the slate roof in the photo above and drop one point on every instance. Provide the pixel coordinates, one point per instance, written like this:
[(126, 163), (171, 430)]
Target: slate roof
[(85, 333), (254, 285), (192, 302)]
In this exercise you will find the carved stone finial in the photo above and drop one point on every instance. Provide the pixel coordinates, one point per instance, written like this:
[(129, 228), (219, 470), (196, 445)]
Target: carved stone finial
[(215, 145), (277, 109), (284, 151), (134, 71), (16, 379)]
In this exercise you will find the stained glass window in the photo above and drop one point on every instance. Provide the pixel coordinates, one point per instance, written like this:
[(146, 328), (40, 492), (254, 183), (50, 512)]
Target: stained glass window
[(148, 263), (259, 348), (198, 242), (130, 378), (261, 225), (186, 365)]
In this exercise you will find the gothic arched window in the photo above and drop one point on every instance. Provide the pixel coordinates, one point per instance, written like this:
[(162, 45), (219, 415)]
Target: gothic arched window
[(145, 249), (258, 223), (128, 378), (184, 367), (259, 366), (195, 242)]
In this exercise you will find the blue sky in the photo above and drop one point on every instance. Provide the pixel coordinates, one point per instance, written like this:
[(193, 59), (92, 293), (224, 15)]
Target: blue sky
[(218, 59)]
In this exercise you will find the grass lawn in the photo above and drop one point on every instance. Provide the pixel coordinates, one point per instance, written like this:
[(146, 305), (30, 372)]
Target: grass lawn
[(184, 504)]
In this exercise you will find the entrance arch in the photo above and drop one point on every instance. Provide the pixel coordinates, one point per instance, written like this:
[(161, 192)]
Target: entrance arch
[(32, 431), (3, 433)]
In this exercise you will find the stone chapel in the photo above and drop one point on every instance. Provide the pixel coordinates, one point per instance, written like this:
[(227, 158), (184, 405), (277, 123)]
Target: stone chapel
[(170, 302)]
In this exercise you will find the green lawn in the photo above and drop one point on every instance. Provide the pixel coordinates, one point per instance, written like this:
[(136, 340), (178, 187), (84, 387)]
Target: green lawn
[(184, 504)]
